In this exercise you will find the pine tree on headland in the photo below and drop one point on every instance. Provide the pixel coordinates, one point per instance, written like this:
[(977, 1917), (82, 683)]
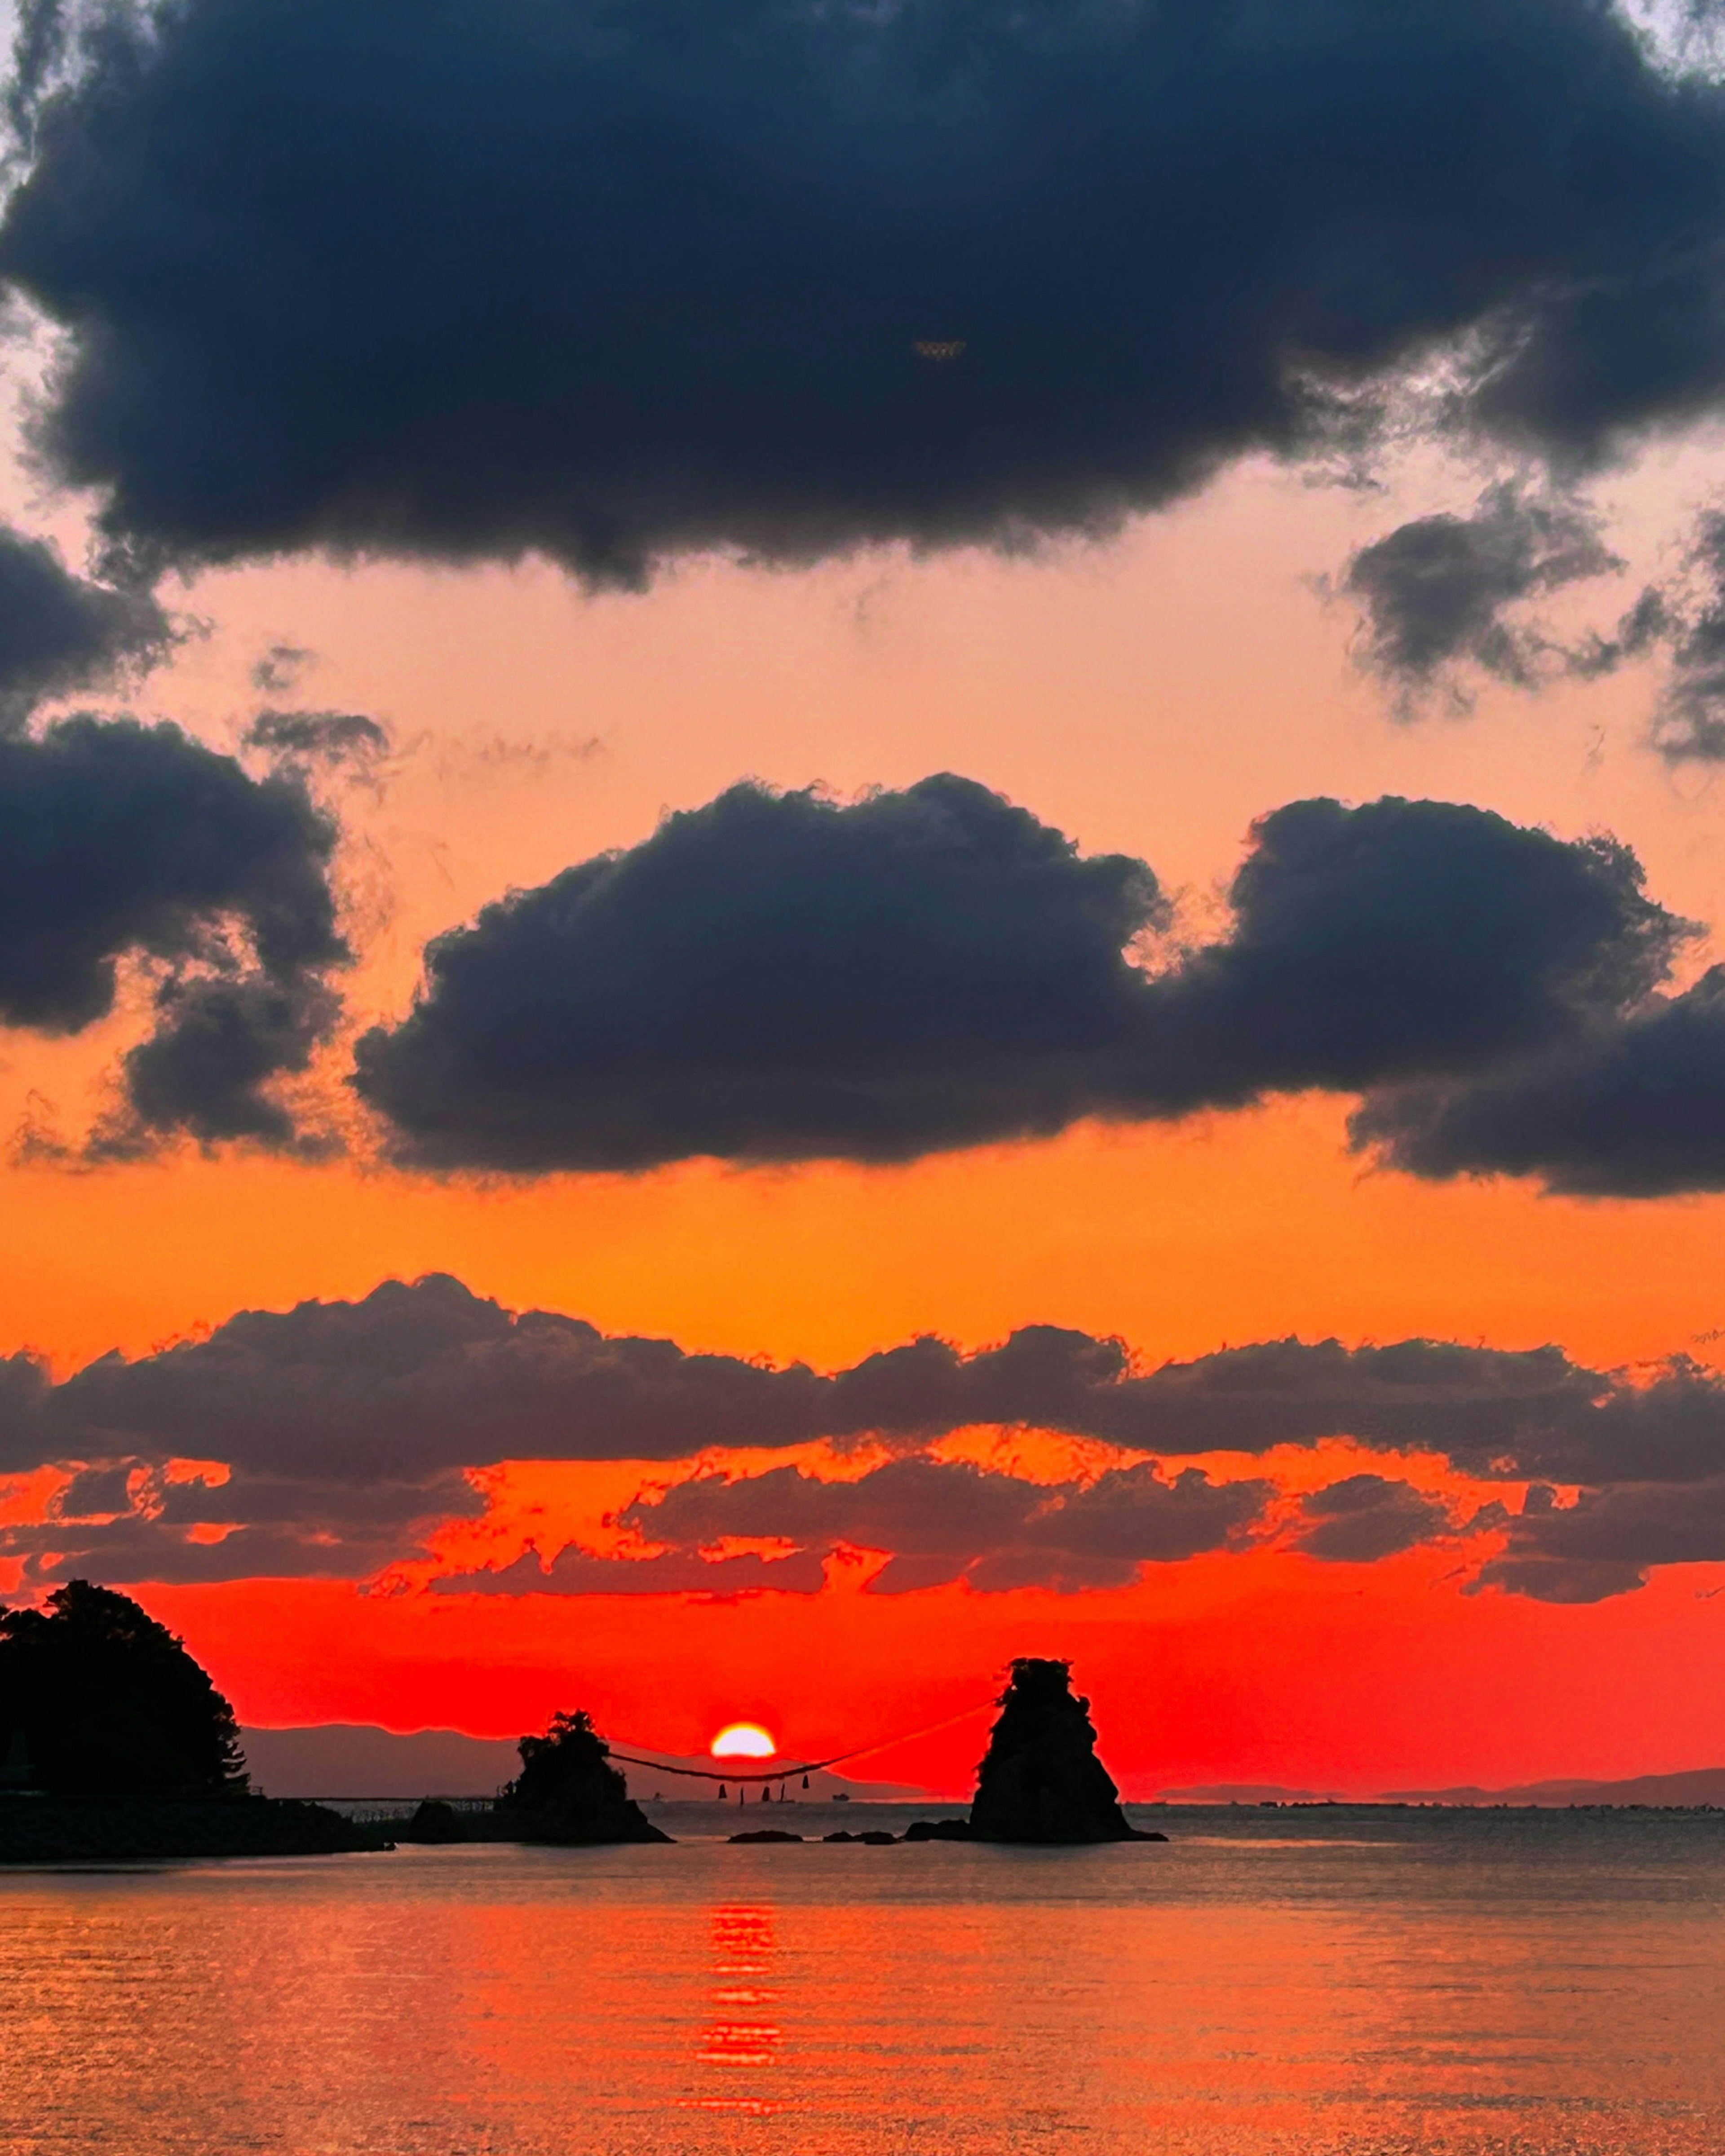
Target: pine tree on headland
[(568, 1792), (1042, 1781), (110, 1703)]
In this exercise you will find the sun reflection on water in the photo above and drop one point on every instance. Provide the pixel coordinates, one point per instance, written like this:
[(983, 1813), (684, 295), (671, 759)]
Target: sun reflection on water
[(738, 2034)]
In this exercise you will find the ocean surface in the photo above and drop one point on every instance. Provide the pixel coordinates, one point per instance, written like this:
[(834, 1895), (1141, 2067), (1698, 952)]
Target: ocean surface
[(1332, 1981)]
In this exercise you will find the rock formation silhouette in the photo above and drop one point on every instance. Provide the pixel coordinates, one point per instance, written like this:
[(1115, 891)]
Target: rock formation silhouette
[(568, 1792), (1041, 1780)]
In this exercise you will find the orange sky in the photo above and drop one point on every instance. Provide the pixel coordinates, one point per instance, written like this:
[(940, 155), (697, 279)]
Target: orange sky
[(1152, 697)]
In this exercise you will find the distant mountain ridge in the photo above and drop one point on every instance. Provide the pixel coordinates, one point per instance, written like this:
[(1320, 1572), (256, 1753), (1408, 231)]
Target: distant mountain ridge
[(1698, 1785), (359, 1759)]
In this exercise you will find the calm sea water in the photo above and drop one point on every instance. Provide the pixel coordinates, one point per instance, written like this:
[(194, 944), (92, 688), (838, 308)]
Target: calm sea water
[(1332, 1983)]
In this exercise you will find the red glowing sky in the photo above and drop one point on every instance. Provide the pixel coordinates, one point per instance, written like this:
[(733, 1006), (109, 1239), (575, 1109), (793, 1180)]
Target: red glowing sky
[(1124, 694)]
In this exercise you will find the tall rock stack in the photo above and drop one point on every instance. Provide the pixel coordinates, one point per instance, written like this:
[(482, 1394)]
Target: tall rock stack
[(1042, 1781)]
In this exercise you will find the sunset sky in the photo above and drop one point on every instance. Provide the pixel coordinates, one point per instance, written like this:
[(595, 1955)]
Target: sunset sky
[(1129, 1068)]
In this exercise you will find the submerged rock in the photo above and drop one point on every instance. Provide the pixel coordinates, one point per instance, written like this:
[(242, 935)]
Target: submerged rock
[(1041, 1780), (568, 1792), (939, 1830), (767, 1834)]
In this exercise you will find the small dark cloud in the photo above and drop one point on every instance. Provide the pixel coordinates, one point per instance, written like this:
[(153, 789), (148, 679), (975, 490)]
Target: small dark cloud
[(117, 840), (1442, 596), (776, 976), (318, 736), (278, 673), (617, 286), (1687, 616), (60, 634), (1365, 1517)]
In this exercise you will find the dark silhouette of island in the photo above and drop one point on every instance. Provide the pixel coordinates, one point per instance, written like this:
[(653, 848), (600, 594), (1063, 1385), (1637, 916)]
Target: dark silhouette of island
[(117, 1745), (1040, 1780), (568, 1792)]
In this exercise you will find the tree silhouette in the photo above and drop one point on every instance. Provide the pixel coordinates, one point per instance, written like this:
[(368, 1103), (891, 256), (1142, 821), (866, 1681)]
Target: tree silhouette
[(110, 1703)]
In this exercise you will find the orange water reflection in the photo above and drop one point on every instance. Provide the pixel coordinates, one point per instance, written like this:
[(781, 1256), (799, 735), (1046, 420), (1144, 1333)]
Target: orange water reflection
[(1531, 1989), (744, 2034)]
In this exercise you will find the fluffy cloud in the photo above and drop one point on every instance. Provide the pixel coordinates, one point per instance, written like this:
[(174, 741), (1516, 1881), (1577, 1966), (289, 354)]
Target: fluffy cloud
[(615, 285), (1635, 1109), (943, 1521), (773, 977), (1444, 594), (1606, 1542), (117, 840), (1365, 1517), (776, 976)]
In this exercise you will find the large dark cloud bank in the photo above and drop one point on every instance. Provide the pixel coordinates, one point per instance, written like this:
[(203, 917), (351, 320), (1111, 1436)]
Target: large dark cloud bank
[(775, 977), (345, 1427), (613, 283)]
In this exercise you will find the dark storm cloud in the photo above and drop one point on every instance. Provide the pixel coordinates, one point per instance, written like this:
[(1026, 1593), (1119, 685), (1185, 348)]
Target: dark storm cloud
[(59, 633), (614, 284), (1365, 1517), (1440, 595), (118, 839), (775, 977)]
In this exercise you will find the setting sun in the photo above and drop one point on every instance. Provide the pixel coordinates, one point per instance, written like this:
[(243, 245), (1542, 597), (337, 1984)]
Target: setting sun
[(743, 1740)]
